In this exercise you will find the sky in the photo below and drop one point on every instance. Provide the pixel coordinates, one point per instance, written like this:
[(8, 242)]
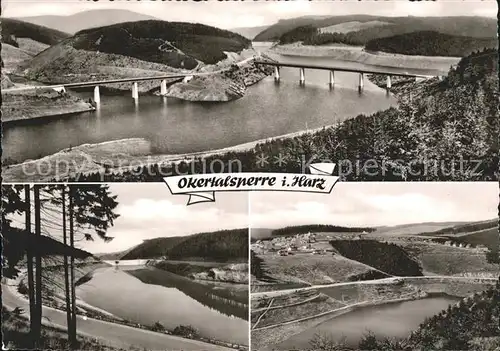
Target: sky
[(234, 14)]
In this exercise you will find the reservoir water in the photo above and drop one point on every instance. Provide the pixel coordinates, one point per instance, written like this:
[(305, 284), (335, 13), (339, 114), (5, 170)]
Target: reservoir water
[(175, 126), (149, 295), (390, 320)]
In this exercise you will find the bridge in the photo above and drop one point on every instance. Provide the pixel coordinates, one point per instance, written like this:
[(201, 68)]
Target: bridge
[(97, 95), (332, 70), (187, 76)]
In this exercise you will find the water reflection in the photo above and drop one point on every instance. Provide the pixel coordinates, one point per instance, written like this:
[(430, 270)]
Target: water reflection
[(221, 299), (149, 295)]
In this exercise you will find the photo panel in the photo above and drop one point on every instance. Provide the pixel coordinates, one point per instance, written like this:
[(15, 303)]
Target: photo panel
[(136, 91), (130, 265), (376, 266)]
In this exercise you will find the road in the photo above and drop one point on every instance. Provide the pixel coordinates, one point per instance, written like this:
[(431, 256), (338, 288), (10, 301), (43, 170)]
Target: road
[(123, 80), (114, 334), (361, 282)]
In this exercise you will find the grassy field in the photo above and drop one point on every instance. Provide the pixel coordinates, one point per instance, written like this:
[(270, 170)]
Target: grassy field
[(461, 288)]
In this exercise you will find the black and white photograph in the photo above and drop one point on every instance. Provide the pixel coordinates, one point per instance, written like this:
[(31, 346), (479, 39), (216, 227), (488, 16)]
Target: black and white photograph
[(378, 266), (123, 267), (302, 175), (137, 90)]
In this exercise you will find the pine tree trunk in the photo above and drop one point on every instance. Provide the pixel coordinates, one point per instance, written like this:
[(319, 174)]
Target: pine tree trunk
[(38, 271), (66, 268), (29, 257), (72, 270)]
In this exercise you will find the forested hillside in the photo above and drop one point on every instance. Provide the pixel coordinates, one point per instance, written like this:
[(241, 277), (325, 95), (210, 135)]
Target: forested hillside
[(429, 43), (465, 228), (310, 35), (160, 41), (301, 229), (220, 245), (477, 27), (472, 324), (151, 248), (426, 43), (389, 258)]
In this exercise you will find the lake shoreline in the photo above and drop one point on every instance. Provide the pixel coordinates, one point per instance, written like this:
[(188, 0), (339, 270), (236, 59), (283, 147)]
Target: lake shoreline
[(87, 310), (127, 153), (307, 323)]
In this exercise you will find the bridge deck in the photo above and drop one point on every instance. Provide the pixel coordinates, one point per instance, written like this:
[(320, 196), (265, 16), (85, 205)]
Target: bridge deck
[(110, 81), (342, 69), (124, 80)]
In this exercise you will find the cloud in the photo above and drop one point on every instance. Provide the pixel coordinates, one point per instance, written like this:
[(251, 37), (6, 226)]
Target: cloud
[(377, 204), (146, 216)]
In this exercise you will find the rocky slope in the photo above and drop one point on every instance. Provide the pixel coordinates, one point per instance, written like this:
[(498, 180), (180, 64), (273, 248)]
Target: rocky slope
[(86, 19), (151, 48), (24, 105), (226, 86), (232, 273)]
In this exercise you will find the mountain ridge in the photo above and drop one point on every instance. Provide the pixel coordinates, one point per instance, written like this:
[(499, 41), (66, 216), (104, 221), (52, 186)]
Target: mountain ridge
[(473, 26), (217, 245)]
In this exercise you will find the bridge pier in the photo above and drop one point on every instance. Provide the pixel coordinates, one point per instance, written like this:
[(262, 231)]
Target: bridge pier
[(389, 82), (332, 79), (97, 95), (276, 73), (361, 82), (302, 77), (163, 87), (135, 91)]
